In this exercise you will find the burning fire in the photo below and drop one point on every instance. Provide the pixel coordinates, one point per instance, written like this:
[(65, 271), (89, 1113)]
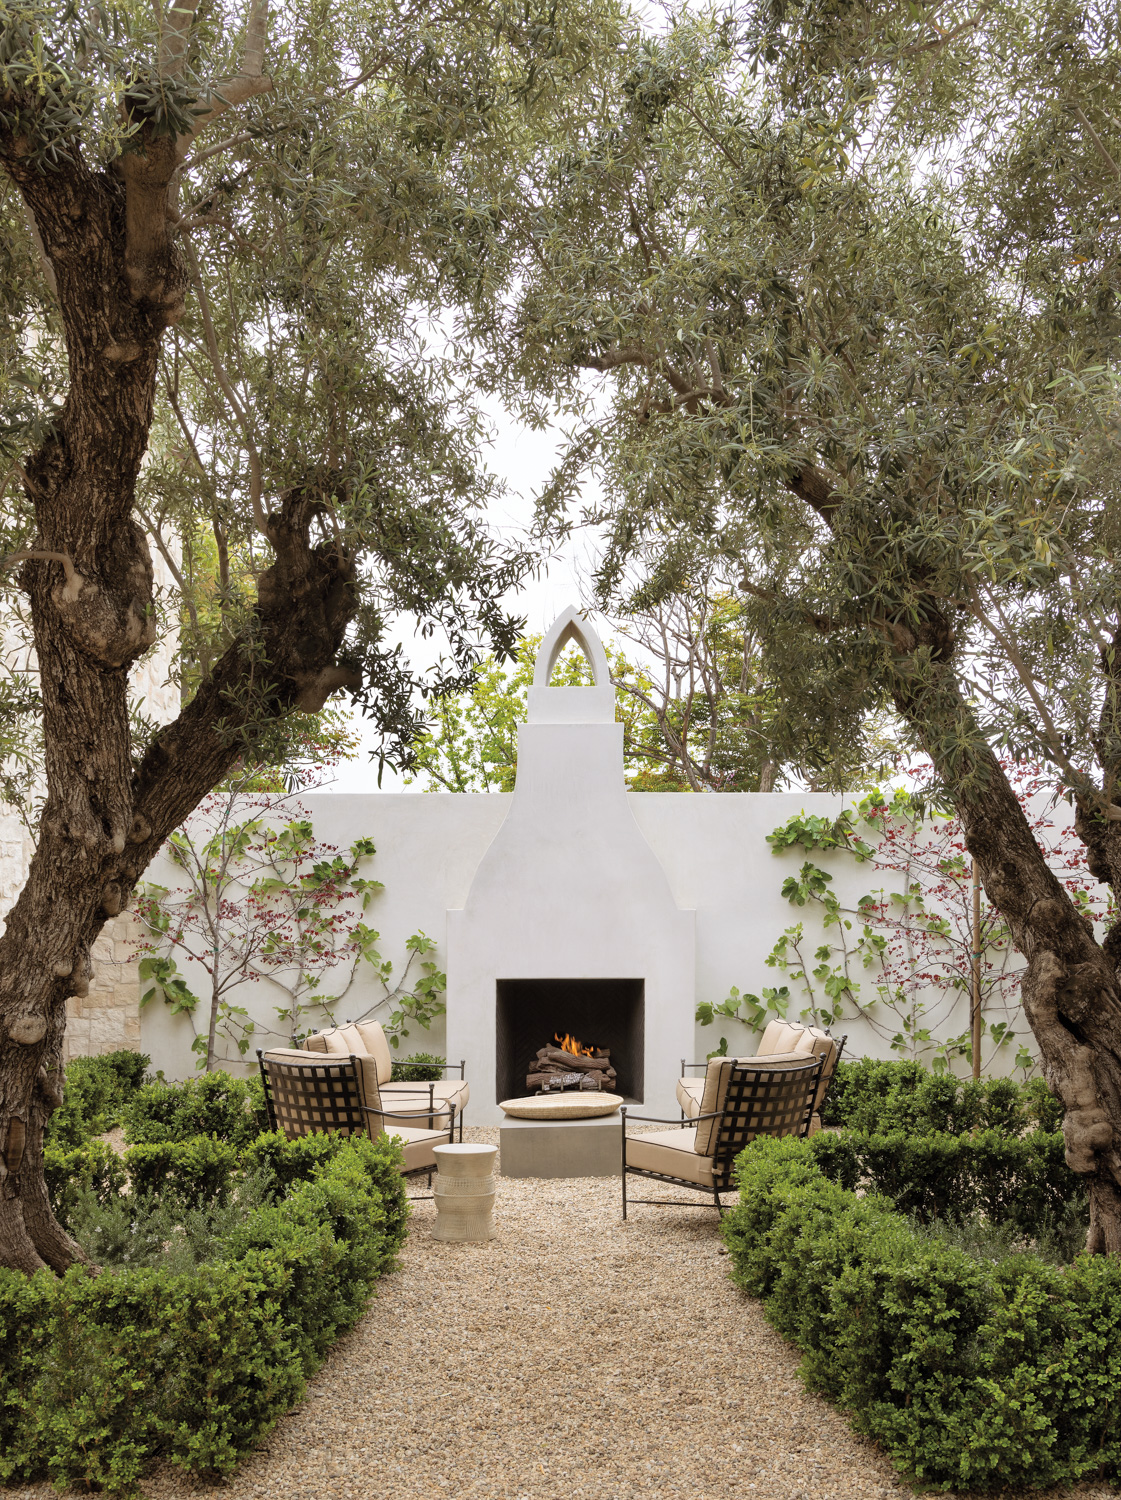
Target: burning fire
[(570, 1044)]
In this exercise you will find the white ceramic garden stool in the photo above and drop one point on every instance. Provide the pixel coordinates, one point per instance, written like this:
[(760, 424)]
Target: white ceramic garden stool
[(464, 1193)]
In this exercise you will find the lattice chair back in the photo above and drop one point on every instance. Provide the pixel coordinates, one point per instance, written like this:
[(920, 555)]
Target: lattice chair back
[(306, 1093), (755, 1099)]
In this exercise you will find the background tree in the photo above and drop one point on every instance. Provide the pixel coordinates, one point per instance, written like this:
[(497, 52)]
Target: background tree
[(851, 279), (201, 171)]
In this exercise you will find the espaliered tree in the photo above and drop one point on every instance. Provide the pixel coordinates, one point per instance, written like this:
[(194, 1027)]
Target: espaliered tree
[(223, 228), (851, 277)]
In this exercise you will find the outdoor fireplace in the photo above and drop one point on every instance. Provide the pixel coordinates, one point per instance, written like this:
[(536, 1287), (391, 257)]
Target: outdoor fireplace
[(608, 1014)]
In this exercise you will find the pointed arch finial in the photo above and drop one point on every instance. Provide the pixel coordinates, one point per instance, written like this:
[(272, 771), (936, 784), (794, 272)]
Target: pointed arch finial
[(588, 705)]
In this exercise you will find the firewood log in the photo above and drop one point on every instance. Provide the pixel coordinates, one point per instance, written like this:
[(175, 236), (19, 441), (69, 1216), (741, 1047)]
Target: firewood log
[(584, 1064)]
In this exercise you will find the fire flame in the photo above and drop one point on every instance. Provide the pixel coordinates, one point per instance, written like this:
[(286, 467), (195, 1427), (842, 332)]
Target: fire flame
[(570, 1044)]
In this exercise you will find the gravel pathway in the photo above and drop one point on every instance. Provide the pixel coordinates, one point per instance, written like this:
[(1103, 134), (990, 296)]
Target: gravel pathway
[(573, 1358)]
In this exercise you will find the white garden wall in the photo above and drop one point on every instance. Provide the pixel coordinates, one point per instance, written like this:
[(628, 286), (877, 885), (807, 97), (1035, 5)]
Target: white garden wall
[(570, 877)]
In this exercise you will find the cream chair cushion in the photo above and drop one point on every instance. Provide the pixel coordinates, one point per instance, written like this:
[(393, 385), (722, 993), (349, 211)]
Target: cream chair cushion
[(355, 1037), (689, 1091), (673, 1152), (345, 1040), (374, 1042), (716, 1090), (774, 1034), (444, 1091), (419, 1145)]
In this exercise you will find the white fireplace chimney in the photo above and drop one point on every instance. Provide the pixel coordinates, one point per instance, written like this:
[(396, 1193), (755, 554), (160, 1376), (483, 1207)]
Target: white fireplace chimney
[(569, 889)]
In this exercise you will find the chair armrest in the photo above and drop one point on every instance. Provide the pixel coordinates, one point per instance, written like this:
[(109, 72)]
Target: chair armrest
[(444, 1068), (696, 1064), (414, 1115), (661, 1120)]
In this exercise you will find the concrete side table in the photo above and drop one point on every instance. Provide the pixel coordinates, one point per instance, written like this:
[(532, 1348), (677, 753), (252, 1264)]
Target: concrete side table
[(464, 1193)]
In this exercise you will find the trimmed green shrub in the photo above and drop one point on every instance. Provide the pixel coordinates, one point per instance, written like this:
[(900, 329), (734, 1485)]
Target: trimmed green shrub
[(1019, 1180), (101, 1376), (877, 1097), (194, 1172), (95, 1091), (233, 1109), (280, 1163), (421, 1067), (91, 1168), (970, 1374)]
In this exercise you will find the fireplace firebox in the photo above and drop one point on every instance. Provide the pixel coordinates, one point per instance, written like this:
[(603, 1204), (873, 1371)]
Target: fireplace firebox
[(605, 1013)]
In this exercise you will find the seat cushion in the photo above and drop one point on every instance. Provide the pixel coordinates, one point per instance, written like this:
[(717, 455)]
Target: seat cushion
[(672, 1152), (419, 1145), (449, 1090), (689, 1091)]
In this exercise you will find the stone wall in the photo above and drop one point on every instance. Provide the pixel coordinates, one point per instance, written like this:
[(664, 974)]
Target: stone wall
[(108, 1018)]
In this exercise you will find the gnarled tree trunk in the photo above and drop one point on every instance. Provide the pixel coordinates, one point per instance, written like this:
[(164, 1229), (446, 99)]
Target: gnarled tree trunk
[(88, 574)]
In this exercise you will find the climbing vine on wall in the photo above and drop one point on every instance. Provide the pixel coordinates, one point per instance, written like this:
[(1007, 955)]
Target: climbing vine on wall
[(900, 956), (263, 899)]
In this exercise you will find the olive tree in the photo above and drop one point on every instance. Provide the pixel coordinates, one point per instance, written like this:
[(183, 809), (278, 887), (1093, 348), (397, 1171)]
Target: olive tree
[(849, 279), (222, 236)]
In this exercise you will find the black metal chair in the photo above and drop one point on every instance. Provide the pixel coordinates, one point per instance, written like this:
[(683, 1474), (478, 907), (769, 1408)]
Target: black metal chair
[(743, 1098), (368, 1037), (689, 1090), (309, 1092)]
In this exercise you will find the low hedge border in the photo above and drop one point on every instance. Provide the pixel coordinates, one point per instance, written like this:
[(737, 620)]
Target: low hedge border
[(102, 1375), (1023, 1180), (971, 1374), (873, 1095)]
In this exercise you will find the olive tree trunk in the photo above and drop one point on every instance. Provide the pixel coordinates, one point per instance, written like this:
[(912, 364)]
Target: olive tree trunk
[(88, 576)]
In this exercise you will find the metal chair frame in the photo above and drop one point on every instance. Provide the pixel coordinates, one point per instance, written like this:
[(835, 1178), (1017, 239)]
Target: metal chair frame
[(746, 1100), (445, 1068), (337, 1092), (685, 1066)]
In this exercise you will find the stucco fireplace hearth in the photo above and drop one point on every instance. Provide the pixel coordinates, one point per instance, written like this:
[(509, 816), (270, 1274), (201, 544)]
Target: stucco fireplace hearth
[(569, 922)]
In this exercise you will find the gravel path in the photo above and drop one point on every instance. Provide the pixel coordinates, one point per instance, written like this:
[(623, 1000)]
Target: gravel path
[(573, 1358)]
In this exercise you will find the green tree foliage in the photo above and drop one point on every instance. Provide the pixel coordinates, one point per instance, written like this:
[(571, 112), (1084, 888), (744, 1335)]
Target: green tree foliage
[(239, 245), (851, 280)]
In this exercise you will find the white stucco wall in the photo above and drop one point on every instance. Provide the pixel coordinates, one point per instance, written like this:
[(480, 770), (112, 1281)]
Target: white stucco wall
[(572, 877)]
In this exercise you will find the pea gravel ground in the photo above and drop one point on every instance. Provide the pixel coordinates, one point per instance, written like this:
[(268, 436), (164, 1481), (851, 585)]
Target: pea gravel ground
[(573, 1358)]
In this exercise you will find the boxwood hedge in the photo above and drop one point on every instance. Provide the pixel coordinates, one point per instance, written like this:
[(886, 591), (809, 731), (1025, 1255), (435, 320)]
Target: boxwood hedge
[(972, 1374), (101, 1375)]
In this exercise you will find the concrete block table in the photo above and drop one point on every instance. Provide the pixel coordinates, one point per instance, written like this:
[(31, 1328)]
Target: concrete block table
[(561, 1148), (464, 1193), (569, 1134)]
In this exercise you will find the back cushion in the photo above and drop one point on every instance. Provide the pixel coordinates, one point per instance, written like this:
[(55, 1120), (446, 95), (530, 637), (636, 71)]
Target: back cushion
[(314, 1043), (374, 1042), (371, 1094), (333, 1042), (772, 1036)]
